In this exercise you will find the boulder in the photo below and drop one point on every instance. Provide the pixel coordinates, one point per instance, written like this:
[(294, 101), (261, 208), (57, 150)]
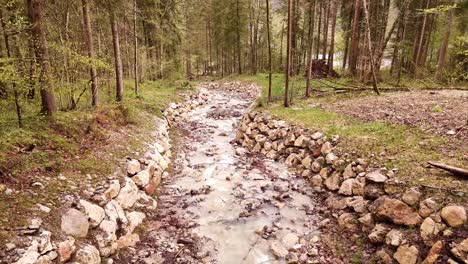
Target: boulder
[(331, 158), (373, 190), (307, 161), (347, 187), (349, 172), (434, 253), (94, 212), (335, 203), (378, 234), (134, 220), (88, 254), (75, 223), (406, 254), (460, 251), (383, 257), (112, 191), (128, 194), (317, 181), (278, 250), (453, 215), (396, 211), (142, 178), (129, 240), (133, 167), (115, 212), (66, 249), (359, 185), (31, 255), (109, 229), (428, 229), (394, 237), (333, 182), (358, 203), (327, 148), (376, 176), (348, 222), (412, 196), (427, 207)]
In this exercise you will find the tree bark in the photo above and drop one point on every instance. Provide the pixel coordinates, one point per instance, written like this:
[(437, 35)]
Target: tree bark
[(311, 40), (354, 52), (239, 62), (90, 49), (40, 45), (288, 51), (269, 49), (135, 46), (332, 38), (444, 46), (369, 46), (117, 57)]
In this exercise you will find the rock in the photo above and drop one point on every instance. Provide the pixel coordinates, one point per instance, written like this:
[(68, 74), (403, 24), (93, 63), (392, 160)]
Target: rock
[(394, 237), (412, 196), (461, 251), (129, 240), (31, 255), (428, 229), (373, 190), (278, 250), (94, 212), (383, 257), (347, 221), (112, 191), (367, 220), (75, 223), (142, 178), (307, 161), (326, 148), (333, 182), (45, 245), (88, 255), (317, 181), (35, 223), (300, 141), (290, 240), (115, 212), (406, 254), (359, 185), (66, 249), (109, 228), (317, 136), (9, 246), (331, 158), (348, 172), (395, 211), (347, 187), (378, 234), (241, 151), (433, 254), (454, 216), (358, 203), (335, 203), (376, 176), (427, 207), (134, 219), (133, 167), (128, 194), (43, 208), (292, 258), (316, 166), (153, 185)]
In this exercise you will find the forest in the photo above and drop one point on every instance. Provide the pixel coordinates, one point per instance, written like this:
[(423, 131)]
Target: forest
[(369, 89)]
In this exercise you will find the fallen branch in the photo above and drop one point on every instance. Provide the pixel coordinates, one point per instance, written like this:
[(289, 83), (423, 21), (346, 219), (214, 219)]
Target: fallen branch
[(451, 169)]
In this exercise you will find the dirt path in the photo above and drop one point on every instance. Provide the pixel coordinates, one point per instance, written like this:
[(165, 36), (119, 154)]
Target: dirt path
[(222, 207)]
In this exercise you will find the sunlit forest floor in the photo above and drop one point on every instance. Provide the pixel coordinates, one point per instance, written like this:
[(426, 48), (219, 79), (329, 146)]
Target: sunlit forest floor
[(401, 129)]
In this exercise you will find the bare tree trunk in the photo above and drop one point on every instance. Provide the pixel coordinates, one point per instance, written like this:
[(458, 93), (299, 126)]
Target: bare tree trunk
[(135, 46), (369, 45), (311, 41), (325, 31), (90, 48), (288, 61), (317, 47), (443, 48), (354, 52), (117, 58), (332, 38), (269, 49), (39, 40), (239, 65), (420, 43)]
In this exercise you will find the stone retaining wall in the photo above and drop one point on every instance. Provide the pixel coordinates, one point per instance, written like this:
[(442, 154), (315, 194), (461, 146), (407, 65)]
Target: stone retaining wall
[(404, 223), (95, 228)]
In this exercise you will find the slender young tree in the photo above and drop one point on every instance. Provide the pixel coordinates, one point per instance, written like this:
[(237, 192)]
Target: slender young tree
[(135, 46), (444, 47), (269, 49), (288, 51), (90, 49), (311, 41), (369, 46), (354, 52), (332, 37), (41, 51), (117, 57)]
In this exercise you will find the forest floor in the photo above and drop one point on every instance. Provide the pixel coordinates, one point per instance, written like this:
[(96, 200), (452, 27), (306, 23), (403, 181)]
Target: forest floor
[(71, 152)]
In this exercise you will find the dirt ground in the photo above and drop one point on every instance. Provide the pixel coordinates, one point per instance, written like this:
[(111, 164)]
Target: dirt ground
[(442, 112)]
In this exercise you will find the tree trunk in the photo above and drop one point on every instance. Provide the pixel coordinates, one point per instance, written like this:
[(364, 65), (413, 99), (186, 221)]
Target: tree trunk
[(311, 41), (444, 46), (332, 37), (90, 48), (40, 45), (117, 58), (135, 46), (269, 49), (288, 51), (325, 31), (354, 52), (420, 43), (317, 47), (369, 46), (239, 64)]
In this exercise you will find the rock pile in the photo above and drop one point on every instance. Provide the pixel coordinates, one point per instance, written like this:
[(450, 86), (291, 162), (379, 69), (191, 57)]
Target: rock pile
[(108, 219), (365, 199)]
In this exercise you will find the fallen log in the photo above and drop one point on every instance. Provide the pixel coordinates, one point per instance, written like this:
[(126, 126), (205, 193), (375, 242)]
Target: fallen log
[(454, 170)]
